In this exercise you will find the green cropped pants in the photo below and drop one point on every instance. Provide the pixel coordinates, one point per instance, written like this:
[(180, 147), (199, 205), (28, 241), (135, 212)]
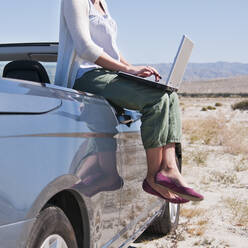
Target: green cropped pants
[(161, 122)]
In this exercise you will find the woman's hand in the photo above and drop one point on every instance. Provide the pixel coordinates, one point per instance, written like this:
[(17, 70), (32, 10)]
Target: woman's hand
[(143, 71), (109, 63)]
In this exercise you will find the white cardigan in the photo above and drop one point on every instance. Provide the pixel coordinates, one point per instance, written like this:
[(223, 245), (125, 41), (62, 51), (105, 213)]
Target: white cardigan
[(75, 43)]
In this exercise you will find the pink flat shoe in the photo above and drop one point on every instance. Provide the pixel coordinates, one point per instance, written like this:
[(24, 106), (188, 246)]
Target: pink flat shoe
[(147, 188), (172, 186)]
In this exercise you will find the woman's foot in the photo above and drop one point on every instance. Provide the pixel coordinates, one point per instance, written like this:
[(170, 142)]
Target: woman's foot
[(147, 188), (174, 186), (160, 189), (174, 174)]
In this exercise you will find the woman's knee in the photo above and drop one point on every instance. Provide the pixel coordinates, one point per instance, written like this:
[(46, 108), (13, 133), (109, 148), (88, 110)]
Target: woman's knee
[(174, 98), (165, 97)]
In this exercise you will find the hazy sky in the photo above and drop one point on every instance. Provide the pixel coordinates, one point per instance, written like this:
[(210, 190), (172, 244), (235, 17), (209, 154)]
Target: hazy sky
[(149, 30)]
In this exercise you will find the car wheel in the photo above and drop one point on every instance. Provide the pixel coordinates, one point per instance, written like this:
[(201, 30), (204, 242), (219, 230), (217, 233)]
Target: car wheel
[(167, 221), (52, 229)]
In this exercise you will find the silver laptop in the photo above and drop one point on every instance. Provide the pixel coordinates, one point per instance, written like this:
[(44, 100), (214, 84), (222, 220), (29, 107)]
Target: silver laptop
[(177, 70)]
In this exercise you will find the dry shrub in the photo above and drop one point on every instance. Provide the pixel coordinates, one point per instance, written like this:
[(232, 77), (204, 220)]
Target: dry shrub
[(190, 213), (186, 158), (196, 231), (239, 211), (197, 220), (203, 222), (241, 165), (211, 108), (207, 131), (211, 243), (235, 139), (218, 104), (226, 178), (242, 105), (218, 131), (208, 108), (222, 177), (200, 157)]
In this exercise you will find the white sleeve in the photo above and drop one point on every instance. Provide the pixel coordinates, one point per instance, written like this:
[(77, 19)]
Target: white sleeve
[(105, 6), (76, 14)]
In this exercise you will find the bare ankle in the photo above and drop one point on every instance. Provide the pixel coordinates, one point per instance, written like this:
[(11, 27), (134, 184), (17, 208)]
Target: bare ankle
[(170, 171), (150, 178), (172, 165)]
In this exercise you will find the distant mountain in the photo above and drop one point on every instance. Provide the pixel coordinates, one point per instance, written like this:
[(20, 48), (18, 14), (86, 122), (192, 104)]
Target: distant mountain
[(203, 71)]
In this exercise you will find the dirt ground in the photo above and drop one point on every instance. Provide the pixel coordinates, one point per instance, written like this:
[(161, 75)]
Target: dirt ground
[(215, 162)]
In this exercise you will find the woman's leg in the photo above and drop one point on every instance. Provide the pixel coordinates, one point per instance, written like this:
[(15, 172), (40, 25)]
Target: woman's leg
[(169, 165), (154, 162), (154, 105)]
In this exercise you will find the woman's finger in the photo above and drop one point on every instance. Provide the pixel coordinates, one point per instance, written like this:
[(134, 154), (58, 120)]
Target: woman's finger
[(156, 74), (145, 73), (155, 71)]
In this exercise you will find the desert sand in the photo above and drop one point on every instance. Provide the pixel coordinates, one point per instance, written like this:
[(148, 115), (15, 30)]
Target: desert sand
[(215, 162)]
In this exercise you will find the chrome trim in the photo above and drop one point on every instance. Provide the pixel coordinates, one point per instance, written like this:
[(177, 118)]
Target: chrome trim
[(138, 232), (16, 223)]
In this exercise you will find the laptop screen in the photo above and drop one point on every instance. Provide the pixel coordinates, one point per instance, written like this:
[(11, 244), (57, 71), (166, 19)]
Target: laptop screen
[(180, 63)]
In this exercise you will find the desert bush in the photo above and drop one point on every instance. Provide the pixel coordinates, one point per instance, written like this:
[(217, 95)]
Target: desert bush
[(222, 177), (206, 131), (200, 157), (208, 108), (186, 158), (198, 221), (204, 109), (242, 105), (218, 104), (241, 165), (235, 139), (192, 212), (211, 108), (217, 131), (197, 230), (239, 210), (211, 242)]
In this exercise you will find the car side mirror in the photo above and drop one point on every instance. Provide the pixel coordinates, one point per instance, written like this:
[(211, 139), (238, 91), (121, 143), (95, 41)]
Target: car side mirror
[(127, 117)]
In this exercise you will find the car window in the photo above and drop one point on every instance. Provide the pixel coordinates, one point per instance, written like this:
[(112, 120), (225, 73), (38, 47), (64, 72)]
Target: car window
[(2, 64), (51, 69), (49, 66)]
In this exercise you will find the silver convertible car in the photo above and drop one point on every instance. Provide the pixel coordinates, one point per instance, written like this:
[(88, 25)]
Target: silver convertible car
[(72, 165)]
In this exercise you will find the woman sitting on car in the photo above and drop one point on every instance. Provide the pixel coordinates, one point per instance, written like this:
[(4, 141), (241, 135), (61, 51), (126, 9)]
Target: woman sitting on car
[(88, 59)]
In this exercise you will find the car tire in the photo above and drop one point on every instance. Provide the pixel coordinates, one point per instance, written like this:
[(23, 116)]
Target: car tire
[(167, 221), (51, 227)]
